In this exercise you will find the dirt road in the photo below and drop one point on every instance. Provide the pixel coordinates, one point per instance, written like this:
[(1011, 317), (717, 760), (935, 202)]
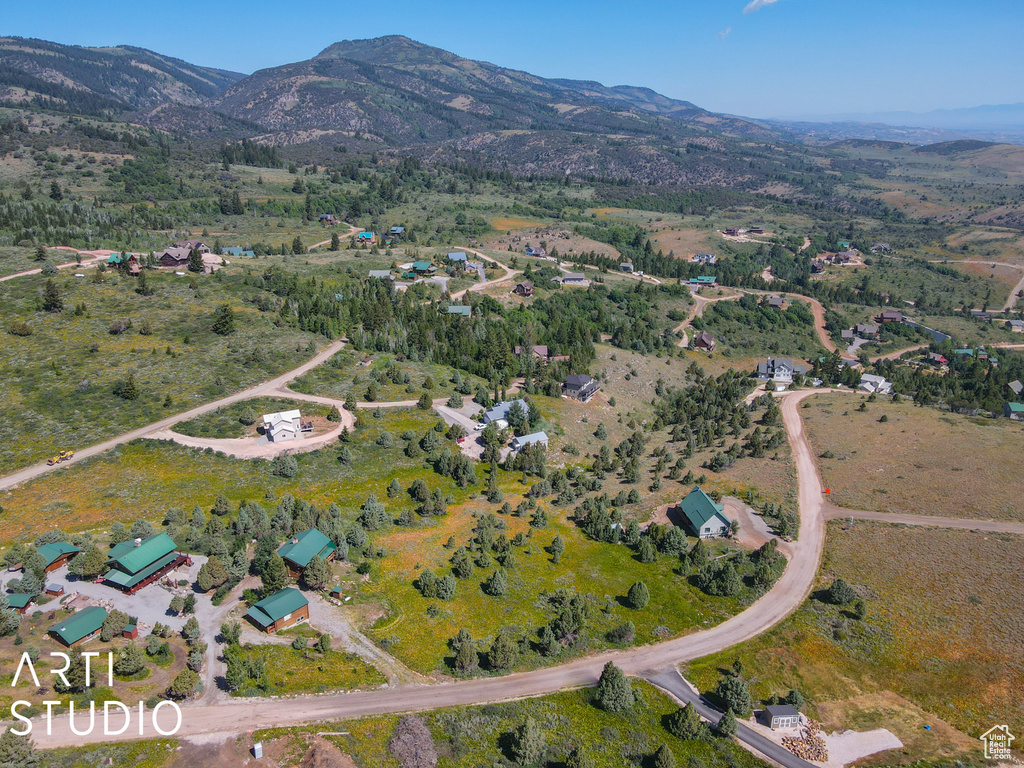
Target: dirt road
[(700, 303), (832, 512), (94, 256), (509, 272), (267, 388)]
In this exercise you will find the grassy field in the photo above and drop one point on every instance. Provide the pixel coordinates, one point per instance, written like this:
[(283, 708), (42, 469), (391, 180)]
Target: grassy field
[(475, 736), (140, 754), (292, 672), (225, 422), (917, 461), (345, 376), (745, 329), (60, 380), (943, 638)]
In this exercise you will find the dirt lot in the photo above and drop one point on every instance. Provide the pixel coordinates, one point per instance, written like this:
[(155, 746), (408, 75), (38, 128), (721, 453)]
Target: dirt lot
[(684, 241), (285, 751), (916, 461)]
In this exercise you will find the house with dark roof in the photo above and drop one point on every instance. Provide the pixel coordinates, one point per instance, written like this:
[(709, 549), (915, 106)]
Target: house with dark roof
[(817, 267), (866, 330), (776, 302), (174, 256), (80, 627), (704, 516), (328, 218), (57, 554), (303, 547), (280, 610), (580, 387), (192, 245), (575, 278), (136, 564), (890, 316), (1017, 326), (524, 288), (704, 340)]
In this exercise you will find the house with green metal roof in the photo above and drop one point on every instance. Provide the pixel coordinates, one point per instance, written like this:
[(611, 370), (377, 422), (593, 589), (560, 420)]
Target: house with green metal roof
[(1014, 411), (455, 309), (57, 553), (79, 627), (135, 564), (703, 515), (279, 611), (20, 601), (423, 267), (303, 547)]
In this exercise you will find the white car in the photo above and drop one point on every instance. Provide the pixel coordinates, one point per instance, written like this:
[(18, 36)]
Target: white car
[(480, 427)]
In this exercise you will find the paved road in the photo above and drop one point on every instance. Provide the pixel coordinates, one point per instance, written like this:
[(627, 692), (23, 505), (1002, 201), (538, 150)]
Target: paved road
[(267, 388), (832, 512), (786, 596), (672, 683)]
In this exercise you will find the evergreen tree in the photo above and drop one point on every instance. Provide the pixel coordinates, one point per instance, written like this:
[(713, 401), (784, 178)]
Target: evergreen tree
[(317, 574), (638, 596), (614, 693), (195, 261), (527, 743), (497, 584), (223, 320), (335, 241), (685, 723), (52, 300), (727, 724), (503, 654), (183, 685), (212, 574), (664, 757), (557, 548), (734, 695), (17, 751), (274, 576), (466, 657), (645, 550)]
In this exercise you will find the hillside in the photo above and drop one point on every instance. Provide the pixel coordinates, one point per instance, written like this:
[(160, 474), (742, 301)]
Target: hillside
[(71, 78)]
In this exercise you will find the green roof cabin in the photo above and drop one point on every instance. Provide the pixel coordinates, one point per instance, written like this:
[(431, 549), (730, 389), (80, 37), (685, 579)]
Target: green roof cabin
[(79, 627), (843, 245), (423, 267), (57, 554), (303, 547), (280, 610), (455, 309), (1014, 411), (703, 515), (20, 601), (135, 564)]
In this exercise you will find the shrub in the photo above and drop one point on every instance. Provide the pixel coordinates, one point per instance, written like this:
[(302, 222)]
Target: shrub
[(19, 328), (840, 593)]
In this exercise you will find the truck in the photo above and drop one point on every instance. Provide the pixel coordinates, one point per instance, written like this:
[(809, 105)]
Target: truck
[(62, 456)]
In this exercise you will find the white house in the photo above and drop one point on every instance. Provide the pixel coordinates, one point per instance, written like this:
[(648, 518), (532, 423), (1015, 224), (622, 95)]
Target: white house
[(779, 370), (876, 384), (282, 426), (537, 438)]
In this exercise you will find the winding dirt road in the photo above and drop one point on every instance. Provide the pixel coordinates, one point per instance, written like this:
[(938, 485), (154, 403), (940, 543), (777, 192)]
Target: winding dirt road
[(786, 596), (94, 256)]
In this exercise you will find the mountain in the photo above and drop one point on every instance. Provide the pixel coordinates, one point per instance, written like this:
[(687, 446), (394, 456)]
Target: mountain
[(397, 91), (83, 80)]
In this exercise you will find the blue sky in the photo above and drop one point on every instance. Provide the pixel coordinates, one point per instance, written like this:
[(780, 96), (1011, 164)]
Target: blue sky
[(762, 58)]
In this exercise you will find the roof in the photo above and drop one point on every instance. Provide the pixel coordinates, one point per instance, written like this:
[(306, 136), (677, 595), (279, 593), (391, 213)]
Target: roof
[(273, 419), (526, 285), (366, 235), (703, 337), (397, 230), (303, 547), (535, 437), (500, 411), (1015, 407), (781, 710), (277, 606), (79, 625), (698, 507), (19, 600), (177, 253), (574, 276), (577, 380), (58, 549), (383, 274), (421, 266), (132, 559), (457, 256), (194, 243), (455, 309), (704, 279), (129, 580), (1016, 386)]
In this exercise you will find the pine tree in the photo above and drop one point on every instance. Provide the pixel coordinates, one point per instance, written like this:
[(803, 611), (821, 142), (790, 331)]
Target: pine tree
[(212, 574), (557, 548), (497, 584), (223, 320), (685, 723), (664, 757), (274, 576), (335, 241), (727, 724), (465, 657), (195, 261), (527, 743), (638, 595), (503, 653), (614, 693), (52, 300), (317, 574)]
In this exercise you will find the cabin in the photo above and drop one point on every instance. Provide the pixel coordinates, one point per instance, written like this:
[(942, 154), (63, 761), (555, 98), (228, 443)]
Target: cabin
[(80, 627), (54, 590), (282, 426), (524, 288), (817, 267), (842, 245), (580, 387), (575, 278), (1017, 326), (866, 330), (457, 309), (192, 245), (423, 268), (175, 257), (457, 257), (776, 302), (303, 547), (755, 229), (537, 438), (731, 231), (1014, 411), (57, 554), (500, 411), (704, 340), (366, 237), (881, 248), (696, 283), (328, 219), (934, 358), (981, 314), (703, 515), (396, 232), (281, 610), (20, 601), (138, 563), (782, 716), (537, 253)]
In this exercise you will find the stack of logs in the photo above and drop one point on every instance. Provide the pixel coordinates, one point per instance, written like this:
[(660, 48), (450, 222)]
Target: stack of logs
[(809, 745)]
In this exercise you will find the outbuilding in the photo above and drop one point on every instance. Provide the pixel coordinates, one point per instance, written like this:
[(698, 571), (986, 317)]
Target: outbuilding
[(281, 610), (782, 716), (80, 627)]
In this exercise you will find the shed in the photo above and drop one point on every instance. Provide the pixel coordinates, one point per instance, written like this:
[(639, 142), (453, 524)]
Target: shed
[(130, 631), (20, 601), (280, 610), (782, 716), (79, 627), (54, 590)]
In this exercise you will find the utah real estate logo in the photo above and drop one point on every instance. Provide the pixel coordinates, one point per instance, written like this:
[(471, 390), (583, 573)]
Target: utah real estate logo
[(997, 741)]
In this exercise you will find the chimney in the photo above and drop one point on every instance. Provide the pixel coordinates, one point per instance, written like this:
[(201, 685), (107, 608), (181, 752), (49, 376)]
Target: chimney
[(295, 540), (138, 542)]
